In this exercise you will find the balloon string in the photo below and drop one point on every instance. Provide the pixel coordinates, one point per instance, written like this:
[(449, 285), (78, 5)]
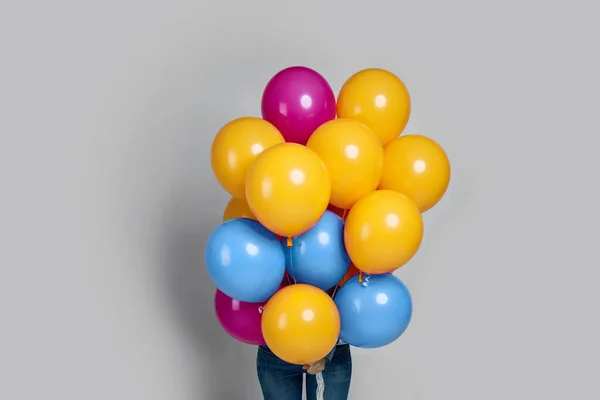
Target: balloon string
[(344, 214), (335, 291), (289, 245), (320, 385)]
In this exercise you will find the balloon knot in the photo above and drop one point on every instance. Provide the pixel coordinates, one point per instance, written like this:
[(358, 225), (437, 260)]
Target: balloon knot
[(361, 277), (289, 241), (261, 309), (366, 280)]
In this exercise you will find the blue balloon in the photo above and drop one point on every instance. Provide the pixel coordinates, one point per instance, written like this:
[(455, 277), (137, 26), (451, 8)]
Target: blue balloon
[(373, 313), (245, 260), (318, 257)]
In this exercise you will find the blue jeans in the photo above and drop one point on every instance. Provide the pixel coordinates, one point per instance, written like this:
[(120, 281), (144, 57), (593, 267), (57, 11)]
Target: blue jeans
[(280, 380)]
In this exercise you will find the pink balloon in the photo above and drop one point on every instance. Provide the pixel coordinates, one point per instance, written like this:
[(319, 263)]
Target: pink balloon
[(297, 100), (239, 319)]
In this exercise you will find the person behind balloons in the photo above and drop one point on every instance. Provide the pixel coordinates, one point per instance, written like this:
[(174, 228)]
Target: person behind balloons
[(326, 379)]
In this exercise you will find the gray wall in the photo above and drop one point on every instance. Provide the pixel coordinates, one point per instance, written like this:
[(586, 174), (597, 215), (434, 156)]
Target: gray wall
[(108, 110)]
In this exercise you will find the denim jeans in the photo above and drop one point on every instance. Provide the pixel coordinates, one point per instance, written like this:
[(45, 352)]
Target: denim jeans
[(280, 380)]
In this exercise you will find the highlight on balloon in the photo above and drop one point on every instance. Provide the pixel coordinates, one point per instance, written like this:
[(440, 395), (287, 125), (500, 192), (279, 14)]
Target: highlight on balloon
[(327, 196)]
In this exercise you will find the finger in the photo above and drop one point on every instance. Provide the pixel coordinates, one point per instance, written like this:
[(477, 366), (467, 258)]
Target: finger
[(315, 370)]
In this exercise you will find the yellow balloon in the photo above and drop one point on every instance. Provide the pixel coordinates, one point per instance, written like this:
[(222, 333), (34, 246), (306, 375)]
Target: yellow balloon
[(288, 189), (417, 167), (353, 156), (235, 148), (237, 208), (383, 232), (377, 98), (301, 324)]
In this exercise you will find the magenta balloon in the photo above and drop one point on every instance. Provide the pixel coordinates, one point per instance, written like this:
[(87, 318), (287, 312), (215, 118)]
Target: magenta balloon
[(297, 100), (241, 320)]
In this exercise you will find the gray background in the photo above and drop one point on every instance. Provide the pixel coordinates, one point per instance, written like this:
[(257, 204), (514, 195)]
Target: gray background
[(108, 109)]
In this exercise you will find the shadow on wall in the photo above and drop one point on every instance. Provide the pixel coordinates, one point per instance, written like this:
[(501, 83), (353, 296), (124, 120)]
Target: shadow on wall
[(222, 367)]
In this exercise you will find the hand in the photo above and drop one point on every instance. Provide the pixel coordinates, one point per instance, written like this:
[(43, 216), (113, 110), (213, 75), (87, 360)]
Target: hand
[(315, 367)]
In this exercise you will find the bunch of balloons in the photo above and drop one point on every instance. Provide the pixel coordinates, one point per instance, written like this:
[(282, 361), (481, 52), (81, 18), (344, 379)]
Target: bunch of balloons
[(327, 202)]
